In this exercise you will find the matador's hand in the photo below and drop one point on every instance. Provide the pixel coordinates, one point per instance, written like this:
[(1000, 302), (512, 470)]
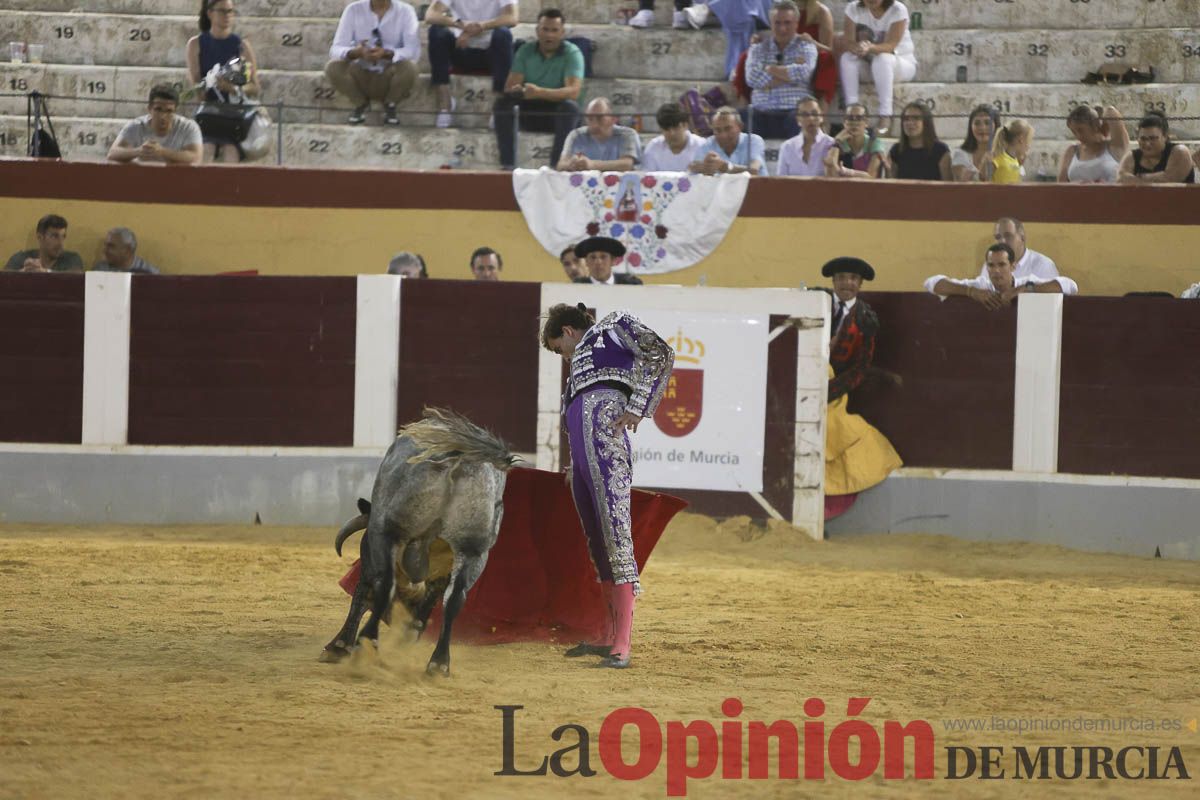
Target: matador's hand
[(627, 421)]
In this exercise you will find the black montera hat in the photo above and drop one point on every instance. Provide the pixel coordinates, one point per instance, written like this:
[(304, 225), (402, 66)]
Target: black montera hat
[(848, 264), (602, 244)]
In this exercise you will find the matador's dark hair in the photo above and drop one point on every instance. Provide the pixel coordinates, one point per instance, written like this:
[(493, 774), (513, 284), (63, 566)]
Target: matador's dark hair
[(561, 316)]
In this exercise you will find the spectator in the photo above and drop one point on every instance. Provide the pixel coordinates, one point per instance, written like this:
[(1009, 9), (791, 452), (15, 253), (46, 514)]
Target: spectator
[(919, 155), (739, 18), (486, 264), (545, 81), (729, 150), (218, 44), (161, 136), (1009, 151), (49, 255), (973, 161), (877, 42), (1157, 159), (779, 69), (374, 56), (1102, 143), (1027, 263), (999, 286), (816, 26), (675, 148), (407, 265), (804, 154), (573, 266), (859, 153), (598, 252), (120, 254), (601, 143), (483, 42), (644, 18)]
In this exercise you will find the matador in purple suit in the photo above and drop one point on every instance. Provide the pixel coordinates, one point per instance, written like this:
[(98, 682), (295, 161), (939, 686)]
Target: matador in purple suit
[(618, 373)]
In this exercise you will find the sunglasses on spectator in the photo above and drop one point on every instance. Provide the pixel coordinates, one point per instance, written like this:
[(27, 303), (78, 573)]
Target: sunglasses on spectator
[(378, 37), (808, 114), (224, 12)]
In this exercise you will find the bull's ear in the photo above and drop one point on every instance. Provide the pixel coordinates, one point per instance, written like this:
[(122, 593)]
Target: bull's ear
[(364, 506)]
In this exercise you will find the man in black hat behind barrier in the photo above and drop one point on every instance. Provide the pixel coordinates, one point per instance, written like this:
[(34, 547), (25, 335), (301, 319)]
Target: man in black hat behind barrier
[(599, 252), (853, 327)]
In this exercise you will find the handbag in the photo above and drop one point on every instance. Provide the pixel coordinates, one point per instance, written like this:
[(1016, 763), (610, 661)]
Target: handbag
[(226, 121), (258, 139)]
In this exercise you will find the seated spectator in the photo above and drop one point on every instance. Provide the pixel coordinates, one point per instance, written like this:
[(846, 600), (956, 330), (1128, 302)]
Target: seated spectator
[(804, 154), (486, 264), (470, 35), (120, 254), (573, 266), (739, 18), (49, 255), (1009, 151), (644, 18), (779, 70), (675, 148), (407, 265), (919, 155), (161, 137), (973, 160), (545, 81), (1102, 143), (598, 252), (859, 153), (218, 44), (1157, 159), (877, 43), (601, 143), (1027, 263), (998, 288), (729, 150), (374, 56)]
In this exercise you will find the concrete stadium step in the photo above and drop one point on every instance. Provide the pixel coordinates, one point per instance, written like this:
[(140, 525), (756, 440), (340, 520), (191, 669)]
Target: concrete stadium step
[(989, 14), (376, 146), (292, 43), (99, 91)]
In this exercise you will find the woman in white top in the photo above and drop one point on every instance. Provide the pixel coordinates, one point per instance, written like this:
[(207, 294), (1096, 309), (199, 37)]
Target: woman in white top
[(878, 43), (1103, 142), (973, 161)]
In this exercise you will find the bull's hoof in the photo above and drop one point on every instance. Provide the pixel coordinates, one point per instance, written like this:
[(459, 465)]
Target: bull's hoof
[(433, 668), (332, 654)]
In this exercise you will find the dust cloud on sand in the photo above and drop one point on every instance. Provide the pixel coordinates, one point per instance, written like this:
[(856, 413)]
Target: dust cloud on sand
[(182, 662)]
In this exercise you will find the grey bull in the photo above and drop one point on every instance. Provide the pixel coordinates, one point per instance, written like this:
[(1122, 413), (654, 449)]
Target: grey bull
[(443, 478)]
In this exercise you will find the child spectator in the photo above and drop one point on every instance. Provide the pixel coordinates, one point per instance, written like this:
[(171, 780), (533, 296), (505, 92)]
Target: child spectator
[(1009, 150)]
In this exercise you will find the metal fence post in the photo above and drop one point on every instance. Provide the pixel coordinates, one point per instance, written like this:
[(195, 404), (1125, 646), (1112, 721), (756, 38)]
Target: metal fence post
[(516, 135), (279, 135)]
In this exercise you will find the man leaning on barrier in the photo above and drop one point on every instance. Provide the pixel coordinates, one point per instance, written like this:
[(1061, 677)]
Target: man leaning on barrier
[(546, 78), (601, 144), (161, 136)]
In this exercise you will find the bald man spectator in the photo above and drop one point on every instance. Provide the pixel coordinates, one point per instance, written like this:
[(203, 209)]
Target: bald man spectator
[(408, 265), (120, 254), (486, 264), (729, 150), (999, 286), (1028, 263), (573, 266), (49, 255), (601, 143)]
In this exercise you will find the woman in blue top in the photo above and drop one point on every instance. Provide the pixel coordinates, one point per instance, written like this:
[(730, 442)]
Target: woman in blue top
[(218, 44)]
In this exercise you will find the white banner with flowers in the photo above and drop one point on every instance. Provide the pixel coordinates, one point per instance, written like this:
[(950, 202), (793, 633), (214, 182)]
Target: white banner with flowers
[(666, 220)]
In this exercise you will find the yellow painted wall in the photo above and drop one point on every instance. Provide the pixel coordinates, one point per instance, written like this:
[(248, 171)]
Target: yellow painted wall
[(1104, 259)]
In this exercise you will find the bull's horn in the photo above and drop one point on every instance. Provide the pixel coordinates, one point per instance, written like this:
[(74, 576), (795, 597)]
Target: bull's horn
[(353, 526)]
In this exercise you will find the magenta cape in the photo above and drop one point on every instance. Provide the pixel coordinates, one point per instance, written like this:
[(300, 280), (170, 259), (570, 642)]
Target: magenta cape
[(539, 584)]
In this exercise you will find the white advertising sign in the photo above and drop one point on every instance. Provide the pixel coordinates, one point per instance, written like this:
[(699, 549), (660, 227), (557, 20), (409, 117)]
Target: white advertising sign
[(709, 428)]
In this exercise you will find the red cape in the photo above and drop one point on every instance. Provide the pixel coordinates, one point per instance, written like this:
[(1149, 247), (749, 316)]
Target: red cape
[(539, 584)]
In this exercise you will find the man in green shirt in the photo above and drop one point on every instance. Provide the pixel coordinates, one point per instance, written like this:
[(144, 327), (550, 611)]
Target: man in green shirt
[(545, 81), (49, 255)]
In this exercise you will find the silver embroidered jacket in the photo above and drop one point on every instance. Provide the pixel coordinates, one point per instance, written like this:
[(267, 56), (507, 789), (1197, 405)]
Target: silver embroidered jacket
[(621, 348)]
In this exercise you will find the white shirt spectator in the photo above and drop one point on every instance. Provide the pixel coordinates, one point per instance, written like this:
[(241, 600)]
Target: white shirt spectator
[(658, 157), (1031, 265), (879, 27), (984, 282), (791, 156), (398, 31), (477, 11)]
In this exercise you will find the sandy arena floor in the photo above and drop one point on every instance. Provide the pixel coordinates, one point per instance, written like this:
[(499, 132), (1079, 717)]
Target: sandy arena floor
[(181, 662)]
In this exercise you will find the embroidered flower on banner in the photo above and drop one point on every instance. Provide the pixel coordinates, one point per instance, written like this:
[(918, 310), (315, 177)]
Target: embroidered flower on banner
[(630, 207)]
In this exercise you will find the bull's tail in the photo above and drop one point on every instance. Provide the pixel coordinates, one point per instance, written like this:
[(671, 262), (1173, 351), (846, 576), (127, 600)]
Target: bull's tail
[(444, 437), (353, 526)]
